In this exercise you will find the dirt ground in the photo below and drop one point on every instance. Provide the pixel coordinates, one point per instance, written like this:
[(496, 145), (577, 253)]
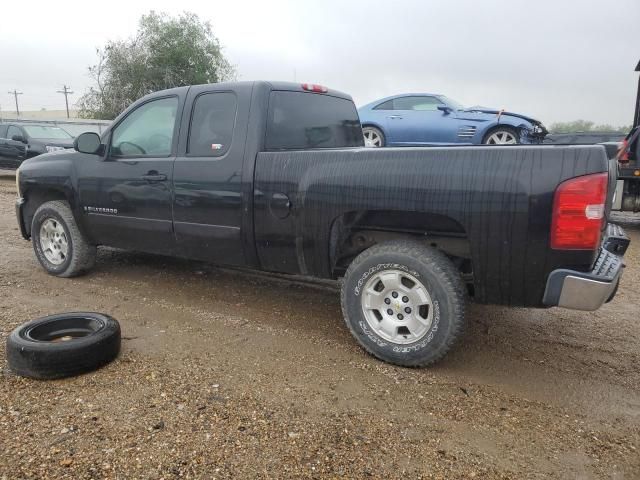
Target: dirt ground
[(226, 374)]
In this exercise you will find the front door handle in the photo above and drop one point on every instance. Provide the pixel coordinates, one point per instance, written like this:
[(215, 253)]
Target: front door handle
[(395, 117), (154, 178)]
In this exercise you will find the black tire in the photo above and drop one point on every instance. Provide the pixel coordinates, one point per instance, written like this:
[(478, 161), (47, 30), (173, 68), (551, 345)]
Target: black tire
[(435, 273), (499, 130), (63, 345), (81, 255), (375, 131)]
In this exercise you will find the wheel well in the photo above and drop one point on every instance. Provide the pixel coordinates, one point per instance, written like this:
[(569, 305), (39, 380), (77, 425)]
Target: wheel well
[(373, 125), (354, 232), (502, 126), (35, 198)]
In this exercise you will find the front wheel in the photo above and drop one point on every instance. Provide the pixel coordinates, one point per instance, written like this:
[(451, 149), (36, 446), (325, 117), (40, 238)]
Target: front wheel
[(58, 243), (502, 136), (404, 302)]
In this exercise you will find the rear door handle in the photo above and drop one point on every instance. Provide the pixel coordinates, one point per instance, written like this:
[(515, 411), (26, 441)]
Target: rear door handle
[(154, 178)]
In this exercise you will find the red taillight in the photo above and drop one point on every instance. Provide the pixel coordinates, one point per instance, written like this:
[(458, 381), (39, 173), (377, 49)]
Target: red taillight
[(578, 212), (623, 153), (311, 87)]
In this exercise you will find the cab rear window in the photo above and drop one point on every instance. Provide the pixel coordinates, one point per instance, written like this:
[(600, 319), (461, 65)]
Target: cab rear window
[(300, 120)]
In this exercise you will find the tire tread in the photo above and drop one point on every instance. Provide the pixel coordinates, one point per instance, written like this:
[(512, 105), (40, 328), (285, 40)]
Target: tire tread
[(446, 271), (83, 255)]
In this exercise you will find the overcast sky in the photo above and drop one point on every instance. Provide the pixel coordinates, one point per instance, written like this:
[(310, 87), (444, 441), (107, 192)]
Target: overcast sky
[(554, 60)]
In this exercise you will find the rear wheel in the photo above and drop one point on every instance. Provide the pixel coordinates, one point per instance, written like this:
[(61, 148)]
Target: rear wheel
[(373, 137), (57, 242), (502, 136), (404, 302)]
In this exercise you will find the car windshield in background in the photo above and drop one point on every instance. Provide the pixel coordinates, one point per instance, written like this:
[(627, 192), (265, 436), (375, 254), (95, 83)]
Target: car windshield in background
[(44, 131), (451, 102)]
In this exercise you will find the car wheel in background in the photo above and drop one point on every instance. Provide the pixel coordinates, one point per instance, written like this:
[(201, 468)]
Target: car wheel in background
[(502, 136), (404, 302), (62, 345), (58, 244), (373, 137)]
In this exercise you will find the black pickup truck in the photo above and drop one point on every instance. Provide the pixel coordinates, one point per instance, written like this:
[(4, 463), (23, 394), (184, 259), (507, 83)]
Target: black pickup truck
[(274, 176)]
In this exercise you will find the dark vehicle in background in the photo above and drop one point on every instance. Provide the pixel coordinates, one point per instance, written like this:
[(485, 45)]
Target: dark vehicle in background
[(274, 176), (585, 138), (21, 141), (627, 196), (628, 189), (418, 119)]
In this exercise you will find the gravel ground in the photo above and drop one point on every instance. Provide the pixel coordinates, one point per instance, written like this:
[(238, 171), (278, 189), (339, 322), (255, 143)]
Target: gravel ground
[(225, 374)]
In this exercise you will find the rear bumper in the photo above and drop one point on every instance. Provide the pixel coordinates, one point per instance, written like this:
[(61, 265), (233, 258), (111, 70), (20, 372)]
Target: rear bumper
[(20, 203), (589, 290)]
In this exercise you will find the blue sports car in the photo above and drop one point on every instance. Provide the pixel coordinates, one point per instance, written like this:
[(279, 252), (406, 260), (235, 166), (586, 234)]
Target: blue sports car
[(427, 119)]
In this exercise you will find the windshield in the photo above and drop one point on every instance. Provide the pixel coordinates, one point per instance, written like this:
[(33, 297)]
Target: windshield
[(44, 131), (452, 103)]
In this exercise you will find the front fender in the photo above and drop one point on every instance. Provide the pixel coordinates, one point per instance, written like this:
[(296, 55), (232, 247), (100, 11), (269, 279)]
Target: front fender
[(525, 128), (50, 176)]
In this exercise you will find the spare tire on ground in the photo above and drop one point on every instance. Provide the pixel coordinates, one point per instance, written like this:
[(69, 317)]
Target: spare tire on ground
[(63, 345)]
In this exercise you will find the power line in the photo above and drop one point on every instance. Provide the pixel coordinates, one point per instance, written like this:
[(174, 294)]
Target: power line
[(66, 92), (15, 94)]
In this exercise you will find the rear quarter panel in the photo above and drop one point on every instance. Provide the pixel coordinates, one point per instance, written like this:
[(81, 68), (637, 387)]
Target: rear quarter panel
[(501, 196)]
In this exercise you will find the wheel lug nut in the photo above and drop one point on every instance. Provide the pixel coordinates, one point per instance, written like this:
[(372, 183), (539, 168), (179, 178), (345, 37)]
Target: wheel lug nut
[(390, 312), (387, 301), (394, 294), (407, 310), (405, 299), (400, 316)]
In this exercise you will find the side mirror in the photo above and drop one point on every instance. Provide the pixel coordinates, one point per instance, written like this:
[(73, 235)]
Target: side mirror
[(445, 109), (19, 138), (88, 142)]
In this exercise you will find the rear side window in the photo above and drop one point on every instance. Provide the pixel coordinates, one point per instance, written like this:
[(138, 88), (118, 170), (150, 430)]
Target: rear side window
[(3, 131), (299, 120), (212, 122)]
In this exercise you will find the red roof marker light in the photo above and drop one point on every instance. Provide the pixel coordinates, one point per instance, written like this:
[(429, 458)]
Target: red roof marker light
[(312, 87)]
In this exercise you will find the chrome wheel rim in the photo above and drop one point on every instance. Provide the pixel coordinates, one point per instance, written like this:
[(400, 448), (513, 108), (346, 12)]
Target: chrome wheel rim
[(397, 306), (502, 138), (53, 241), (371, 137)]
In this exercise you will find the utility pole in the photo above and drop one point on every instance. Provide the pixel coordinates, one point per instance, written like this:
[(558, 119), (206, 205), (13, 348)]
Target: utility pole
[(66, 92), (15, 94)]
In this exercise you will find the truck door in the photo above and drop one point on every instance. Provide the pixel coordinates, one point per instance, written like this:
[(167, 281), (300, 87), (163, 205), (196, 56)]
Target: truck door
[(12, 152), (126, 197), (207, 180)]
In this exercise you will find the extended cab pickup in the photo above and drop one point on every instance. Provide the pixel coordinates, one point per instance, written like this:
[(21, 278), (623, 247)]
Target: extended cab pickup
[(274, 176)]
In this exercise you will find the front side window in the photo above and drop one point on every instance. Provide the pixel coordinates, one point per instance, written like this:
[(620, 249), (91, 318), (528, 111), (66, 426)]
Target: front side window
[(212, 122), (3, 131), (416, 103), (13, 131), (147, 131)]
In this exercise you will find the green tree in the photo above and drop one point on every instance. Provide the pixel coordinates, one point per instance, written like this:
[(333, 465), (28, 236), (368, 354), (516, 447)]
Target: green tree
[(586, 126), (166, 52)]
